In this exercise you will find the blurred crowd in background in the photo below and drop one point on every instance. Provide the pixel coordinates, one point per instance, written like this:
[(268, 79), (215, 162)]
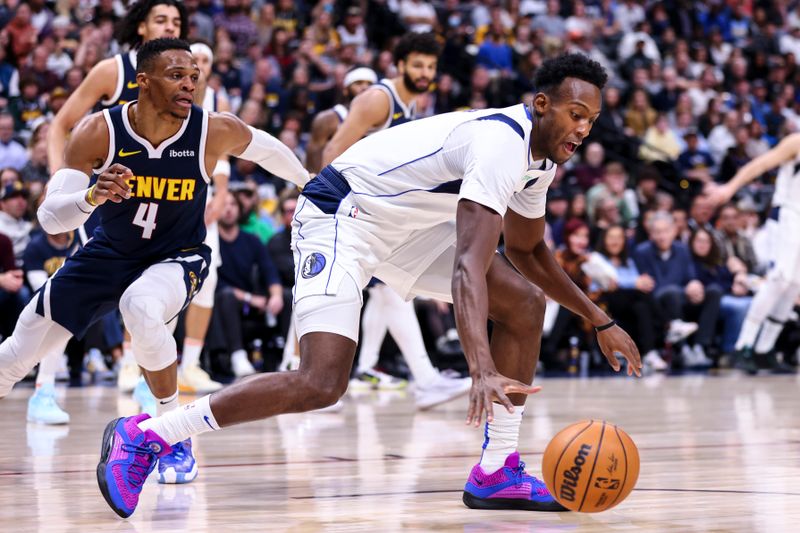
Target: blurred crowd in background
[(696, 90)]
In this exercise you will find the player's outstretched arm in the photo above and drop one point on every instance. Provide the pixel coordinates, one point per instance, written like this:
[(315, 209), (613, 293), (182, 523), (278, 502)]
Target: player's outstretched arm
[(227, 135), (99, 83), (785, 150), (478, 229), (69, 200), (527, 251), (367, 110)]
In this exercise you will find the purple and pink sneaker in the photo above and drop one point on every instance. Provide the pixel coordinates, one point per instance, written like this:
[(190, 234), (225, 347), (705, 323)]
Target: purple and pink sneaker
[(508, 488), (127, 457)]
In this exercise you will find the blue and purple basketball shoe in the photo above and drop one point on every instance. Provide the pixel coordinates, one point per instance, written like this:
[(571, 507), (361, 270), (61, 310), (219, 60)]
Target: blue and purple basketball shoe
[(508, 488), (127, 457), (179, 465)]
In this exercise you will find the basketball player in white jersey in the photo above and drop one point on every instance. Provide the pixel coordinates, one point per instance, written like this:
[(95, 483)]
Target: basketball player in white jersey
[(192, 378), (386, 104), (357, 80), (386, 208), (775, 299)]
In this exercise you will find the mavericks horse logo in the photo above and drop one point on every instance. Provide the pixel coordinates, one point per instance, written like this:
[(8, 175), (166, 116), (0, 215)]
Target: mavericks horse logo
[(313, 265)]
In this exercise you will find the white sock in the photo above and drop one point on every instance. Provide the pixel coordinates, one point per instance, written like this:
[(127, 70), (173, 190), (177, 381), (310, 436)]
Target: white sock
[(502, 437), (239, 354), (48, 367), (373, 330), (165, 405), (403, 325), (127, 354), (770, 332), (192, 349), (180, 424), (748, 334)]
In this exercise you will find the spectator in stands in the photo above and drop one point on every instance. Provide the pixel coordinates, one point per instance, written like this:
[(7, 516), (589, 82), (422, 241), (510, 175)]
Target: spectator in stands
[(235, 20), (249, 287), (35, 173), (280, 251), (660, 142), (13, 210), (418, 15), (737, 156), (250, 220), (718, 280), (640, 115), (12, 297), (589, 172), (677, 290), (23, 34), (736, 246), (629, 296), (614, 186), (694, 163), (12, 153)]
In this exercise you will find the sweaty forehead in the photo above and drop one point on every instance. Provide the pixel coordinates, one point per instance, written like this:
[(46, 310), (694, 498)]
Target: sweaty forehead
[(176, 59), (580, 92)]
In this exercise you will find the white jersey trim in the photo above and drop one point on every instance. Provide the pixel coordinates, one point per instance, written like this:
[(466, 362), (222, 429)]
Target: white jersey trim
[(111, 144), (153, 152), (120, 82)]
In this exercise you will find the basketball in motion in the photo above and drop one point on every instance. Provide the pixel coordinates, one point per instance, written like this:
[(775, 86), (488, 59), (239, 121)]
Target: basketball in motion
[(590, 466)]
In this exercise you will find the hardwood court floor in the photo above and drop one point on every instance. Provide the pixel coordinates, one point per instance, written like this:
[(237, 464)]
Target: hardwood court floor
[(718, 454)]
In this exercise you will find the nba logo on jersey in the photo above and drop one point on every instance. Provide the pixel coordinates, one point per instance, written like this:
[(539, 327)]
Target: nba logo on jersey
[(313, 265)]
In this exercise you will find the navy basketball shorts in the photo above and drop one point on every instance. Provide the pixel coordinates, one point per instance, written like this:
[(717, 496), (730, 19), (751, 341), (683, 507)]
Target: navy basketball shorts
[(92, 281)]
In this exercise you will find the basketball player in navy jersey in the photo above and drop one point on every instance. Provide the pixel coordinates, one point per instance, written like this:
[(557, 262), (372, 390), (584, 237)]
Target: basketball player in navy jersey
[(113, 81), (357, 80), (153, 157), (390, 101), (386, 207)]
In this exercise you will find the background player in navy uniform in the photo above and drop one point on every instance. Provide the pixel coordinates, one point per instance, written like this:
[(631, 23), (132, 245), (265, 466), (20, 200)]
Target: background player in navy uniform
[(44, 255), (113, 81), (324, 126), (154, 157)]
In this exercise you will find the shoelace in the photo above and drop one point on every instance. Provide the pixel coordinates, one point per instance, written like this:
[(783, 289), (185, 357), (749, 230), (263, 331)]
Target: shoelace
[(519, 473), (140, 467)]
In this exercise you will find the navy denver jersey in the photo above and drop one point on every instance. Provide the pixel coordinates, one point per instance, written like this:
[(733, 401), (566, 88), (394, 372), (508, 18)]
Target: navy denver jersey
[(399, 113), (127, 89), (40, 254), (165, 212)]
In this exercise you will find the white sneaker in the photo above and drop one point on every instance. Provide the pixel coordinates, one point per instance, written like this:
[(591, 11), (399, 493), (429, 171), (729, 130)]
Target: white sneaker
[(440, 391), (700, 357), (654, 361), (96, 363), (43, 408), (128, 377), (679, 330), (242, 366), (194, 380), (376, 380)]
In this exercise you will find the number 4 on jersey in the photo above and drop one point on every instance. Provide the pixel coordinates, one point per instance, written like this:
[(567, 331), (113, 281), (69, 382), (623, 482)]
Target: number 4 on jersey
[(146, 219)]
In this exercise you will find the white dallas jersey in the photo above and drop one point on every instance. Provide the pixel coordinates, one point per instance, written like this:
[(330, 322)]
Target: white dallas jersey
[(787, 185), (413, 175)]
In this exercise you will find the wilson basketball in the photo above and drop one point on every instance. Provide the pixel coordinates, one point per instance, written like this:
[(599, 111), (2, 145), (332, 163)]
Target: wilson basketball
[(590, 466)]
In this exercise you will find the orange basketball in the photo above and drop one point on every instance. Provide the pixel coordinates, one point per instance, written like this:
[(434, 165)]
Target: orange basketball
[(590, 466)]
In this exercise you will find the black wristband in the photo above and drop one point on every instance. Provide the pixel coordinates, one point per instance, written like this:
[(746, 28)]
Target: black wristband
[(604, 327)]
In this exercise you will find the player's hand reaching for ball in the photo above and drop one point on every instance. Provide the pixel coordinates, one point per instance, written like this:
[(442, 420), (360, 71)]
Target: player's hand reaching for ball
[(614, 340), (488, 387), (111, 185)]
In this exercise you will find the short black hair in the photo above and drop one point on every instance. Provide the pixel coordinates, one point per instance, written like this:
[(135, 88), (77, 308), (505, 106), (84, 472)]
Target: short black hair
[(416, 43), (152, 49), (554, 71), (128, 28)]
